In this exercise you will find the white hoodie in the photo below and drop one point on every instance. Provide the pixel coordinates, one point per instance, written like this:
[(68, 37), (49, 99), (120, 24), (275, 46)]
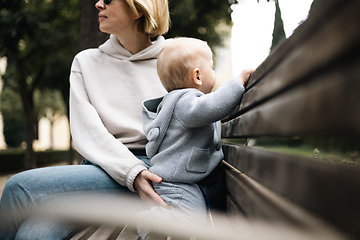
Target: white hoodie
[(107, 87)]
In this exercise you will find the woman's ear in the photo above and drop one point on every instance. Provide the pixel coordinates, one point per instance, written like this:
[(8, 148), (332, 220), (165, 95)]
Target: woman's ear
[(197, 77), (139, 16)]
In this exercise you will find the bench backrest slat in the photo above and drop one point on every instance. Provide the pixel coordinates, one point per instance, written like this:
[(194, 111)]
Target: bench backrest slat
[(307, 88)]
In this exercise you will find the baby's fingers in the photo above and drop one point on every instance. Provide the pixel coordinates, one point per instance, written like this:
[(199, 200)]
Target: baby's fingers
[(245, 75)]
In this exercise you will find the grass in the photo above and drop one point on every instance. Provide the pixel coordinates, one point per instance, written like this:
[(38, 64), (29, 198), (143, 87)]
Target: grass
[(349, 158)]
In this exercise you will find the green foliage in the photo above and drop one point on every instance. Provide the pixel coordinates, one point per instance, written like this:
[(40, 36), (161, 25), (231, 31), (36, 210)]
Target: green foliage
[(13, 117), (14, 133), (33, 32), (35, 37), (315, 4), (11, 107), (199, 19), (49, 104), (278, 32)]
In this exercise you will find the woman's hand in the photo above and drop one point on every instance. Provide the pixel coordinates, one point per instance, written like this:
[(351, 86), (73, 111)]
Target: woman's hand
[(142, 185)]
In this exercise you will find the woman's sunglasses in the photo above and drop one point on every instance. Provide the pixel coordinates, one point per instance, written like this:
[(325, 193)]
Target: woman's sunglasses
[(106, 2)]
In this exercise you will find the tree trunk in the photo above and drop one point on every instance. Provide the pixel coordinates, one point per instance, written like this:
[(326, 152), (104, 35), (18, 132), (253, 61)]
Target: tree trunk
[(28, 104), (30, 157), (52, 134), (90, 35)]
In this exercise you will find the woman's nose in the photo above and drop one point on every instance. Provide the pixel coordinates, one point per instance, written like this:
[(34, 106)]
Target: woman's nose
[(100, 4)]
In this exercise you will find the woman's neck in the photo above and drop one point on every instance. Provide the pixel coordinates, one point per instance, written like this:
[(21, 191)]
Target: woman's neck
[(134, 43)]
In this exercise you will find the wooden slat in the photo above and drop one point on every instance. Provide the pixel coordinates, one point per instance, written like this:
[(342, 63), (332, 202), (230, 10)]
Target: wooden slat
[(128, 234), (329, 103), (232, 206), (324, 45), (80, 234), (115, 234), (90, 231), (259, 202), (318, 17), (102, 233), (263, 203), (330, 191)]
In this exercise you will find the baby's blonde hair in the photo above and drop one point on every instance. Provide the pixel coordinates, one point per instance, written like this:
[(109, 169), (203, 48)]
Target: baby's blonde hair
[(155, 20), (177, 60)]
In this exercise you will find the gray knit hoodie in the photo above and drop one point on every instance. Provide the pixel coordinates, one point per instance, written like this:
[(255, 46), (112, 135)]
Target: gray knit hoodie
[(184, 130)]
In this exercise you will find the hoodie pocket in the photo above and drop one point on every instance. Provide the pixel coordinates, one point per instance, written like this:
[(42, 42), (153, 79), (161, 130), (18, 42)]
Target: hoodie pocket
[(198, 160)]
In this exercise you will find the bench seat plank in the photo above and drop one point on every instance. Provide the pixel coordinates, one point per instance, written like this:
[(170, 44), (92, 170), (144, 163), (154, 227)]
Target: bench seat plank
[(105, 232)]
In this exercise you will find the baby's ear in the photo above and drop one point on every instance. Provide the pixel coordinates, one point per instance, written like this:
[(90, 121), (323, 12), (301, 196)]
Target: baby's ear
[(197, 77)]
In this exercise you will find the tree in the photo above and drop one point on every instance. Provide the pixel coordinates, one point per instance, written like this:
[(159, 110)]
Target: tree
[(192, 18), (32, 35), (315, 4), (199, 19), (49, 104), (12, 114), (90, 35), (278, 32)]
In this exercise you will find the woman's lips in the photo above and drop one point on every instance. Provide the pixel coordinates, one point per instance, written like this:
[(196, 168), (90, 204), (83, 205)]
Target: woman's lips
[(101, 17)]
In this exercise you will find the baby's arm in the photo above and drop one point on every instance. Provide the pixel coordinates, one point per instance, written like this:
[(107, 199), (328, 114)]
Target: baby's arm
[(245, 75)]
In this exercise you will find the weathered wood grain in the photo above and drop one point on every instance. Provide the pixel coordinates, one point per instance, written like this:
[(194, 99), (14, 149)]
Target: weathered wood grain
[(261, 203), (317, 18), (329, 191), (103, 232), (311, 51), (328, 103), (128, 234)]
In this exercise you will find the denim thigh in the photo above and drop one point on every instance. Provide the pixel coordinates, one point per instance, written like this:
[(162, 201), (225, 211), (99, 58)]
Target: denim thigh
[(28, 189)]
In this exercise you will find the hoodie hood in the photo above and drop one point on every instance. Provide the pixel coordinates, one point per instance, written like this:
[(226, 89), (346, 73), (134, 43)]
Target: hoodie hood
[(113, 48), (157, 114)]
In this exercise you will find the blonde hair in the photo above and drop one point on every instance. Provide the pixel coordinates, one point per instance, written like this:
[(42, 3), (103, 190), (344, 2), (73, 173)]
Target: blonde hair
[(155, 20), (177, 60)]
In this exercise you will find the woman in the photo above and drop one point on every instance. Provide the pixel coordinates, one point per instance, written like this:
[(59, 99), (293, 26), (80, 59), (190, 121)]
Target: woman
[(107, 86)]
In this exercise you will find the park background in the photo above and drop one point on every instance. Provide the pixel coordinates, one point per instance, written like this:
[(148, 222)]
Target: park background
[(40, 38)]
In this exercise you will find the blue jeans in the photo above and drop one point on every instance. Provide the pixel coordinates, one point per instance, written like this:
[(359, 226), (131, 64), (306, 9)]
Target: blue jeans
[(187, 205), (26, 190)]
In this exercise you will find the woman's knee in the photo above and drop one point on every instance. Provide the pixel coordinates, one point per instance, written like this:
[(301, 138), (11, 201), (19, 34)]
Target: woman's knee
[(16, 184)]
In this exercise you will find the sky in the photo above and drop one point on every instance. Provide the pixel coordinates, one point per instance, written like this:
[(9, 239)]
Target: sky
[(252, 29)]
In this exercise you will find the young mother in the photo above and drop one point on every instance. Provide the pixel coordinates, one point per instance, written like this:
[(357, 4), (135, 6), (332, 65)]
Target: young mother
[(108, 85)]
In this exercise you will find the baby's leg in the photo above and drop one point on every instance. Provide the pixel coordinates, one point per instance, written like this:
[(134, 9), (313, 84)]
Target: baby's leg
[(186, 201)]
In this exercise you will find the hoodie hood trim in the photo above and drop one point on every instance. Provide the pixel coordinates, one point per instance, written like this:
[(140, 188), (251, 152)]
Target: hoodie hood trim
[(113, 48), (157, 115)]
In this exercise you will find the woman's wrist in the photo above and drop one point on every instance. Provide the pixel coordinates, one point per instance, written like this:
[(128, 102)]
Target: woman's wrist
[(132, 175)]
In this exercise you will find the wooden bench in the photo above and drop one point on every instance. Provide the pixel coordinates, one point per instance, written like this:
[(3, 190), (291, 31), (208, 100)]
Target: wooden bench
[(308, 88)]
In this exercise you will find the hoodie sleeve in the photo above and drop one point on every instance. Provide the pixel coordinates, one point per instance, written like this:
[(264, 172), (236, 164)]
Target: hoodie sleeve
[(92, 139), (196, 109)]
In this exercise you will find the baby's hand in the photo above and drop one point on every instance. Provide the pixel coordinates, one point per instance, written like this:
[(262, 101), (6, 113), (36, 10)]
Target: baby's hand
[(245, 75)]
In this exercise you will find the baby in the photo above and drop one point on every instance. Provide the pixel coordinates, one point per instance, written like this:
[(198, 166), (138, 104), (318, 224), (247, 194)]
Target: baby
[(183, 127)]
